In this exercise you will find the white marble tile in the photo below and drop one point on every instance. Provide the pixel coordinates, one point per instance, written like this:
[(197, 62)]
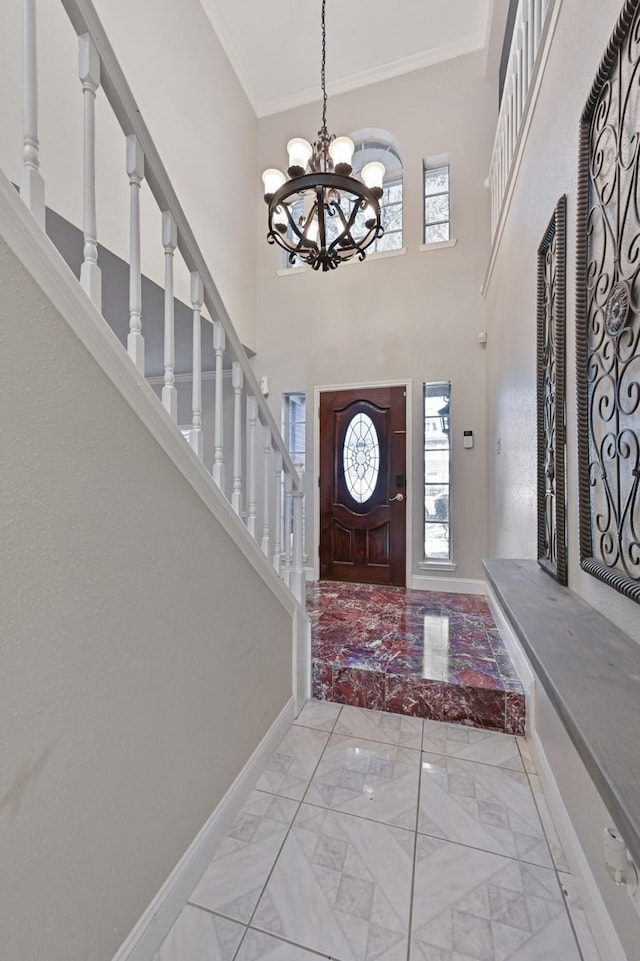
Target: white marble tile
[(290, 768), (580, 921), (200, 936), (557, 851), (486, 807), (321, 715), (235, 878), (527, 755), (471, 904), (472, 744), (380, 726), (341, 886), (262, 947), (369, 779)]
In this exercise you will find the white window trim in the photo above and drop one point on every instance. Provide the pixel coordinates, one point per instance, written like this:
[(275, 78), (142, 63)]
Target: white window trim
[(437, 565), (381, 255), (438, 245)]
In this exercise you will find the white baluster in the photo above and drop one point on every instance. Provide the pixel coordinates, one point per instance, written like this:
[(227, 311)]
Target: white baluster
[(545, 11), (297, 574), (537, 22), (520, 77), (89, 73), (218, 438), (286, 570), (277, 529), (31, 182), (237, 381), (528, 39), (252, 416), (135, 170), (266, 529), (196, 438), (169, 242)]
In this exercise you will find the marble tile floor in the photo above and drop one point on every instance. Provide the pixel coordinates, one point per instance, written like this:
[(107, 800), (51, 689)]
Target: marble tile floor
[(380, 836), (421, 653)]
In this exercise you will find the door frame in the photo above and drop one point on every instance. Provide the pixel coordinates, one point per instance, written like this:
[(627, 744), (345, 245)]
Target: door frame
[(407, 384)]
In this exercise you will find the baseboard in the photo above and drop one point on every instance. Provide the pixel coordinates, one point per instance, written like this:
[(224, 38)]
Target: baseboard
[(448, 585), (145, 939), (604, 933)]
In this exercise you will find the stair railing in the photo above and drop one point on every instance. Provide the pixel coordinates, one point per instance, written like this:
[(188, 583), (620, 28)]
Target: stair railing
[(249, 454)]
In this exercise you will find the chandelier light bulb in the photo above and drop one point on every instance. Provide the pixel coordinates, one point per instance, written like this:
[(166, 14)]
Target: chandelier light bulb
[(312, 230), (300, 151), (341, 152), (272, 179), (372, 177)]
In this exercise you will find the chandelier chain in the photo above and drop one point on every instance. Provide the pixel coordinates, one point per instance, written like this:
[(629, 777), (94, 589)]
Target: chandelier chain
[(322, 72)]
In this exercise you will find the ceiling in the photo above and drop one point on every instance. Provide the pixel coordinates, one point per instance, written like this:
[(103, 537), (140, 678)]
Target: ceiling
[(274, 45)]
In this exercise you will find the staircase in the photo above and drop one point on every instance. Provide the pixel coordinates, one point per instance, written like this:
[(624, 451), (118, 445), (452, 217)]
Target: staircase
[(151, 619)]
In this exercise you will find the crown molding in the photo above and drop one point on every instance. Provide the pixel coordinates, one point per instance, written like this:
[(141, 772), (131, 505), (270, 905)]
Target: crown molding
[(209, 7), (386, 71)]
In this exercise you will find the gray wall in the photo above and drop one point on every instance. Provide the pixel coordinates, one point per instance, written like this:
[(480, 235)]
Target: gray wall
[(143, 659), (415, 316)]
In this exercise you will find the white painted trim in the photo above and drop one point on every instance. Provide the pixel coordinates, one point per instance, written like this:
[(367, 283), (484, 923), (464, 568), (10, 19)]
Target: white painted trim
[(408, 385), (377, 255), (385, 71), (525, 125), (144, 940), (292, 271), (439, 245), (438, 566), (448, 585), (157, 380), (603, 930), (41, 259)]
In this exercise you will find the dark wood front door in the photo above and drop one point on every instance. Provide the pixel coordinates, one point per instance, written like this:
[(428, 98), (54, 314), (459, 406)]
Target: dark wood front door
[(363, 485)]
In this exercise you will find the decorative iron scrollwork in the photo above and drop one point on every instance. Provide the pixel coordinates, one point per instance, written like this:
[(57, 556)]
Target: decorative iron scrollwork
[(608, 314), (552, 539)]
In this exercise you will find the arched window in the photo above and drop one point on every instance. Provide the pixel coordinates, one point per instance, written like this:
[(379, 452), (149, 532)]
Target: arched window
[(380, 145)]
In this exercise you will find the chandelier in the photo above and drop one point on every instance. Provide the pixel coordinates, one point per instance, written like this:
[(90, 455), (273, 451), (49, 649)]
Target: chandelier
[(322, 215)]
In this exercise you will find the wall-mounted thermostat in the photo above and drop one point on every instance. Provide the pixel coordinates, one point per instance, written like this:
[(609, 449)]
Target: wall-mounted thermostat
[(467, 439)]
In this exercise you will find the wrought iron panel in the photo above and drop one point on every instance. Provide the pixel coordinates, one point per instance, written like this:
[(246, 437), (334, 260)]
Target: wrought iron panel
[(608, 314), (552, 272)]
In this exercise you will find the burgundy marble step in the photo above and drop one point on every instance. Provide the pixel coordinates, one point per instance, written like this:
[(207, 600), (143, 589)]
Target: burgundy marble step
[(421, 653)]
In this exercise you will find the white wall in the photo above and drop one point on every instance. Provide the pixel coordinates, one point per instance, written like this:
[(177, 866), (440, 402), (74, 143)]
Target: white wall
[(143, 659), (548, 170), (415, 316), (202, 124)]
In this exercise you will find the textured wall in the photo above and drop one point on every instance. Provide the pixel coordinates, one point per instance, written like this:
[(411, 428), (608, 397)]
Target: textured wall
[(142, 657), (548, 170), (415, 316)]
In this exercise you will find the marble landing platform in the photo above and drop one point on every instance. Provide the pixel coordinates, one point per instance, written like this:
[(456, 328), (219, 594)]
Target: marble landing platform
[(418, 653)]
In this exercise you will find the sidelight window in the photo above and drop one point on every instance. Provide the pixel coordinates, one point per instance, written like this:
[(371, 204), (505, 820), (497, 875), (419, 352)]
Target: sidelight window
[(437, 468)]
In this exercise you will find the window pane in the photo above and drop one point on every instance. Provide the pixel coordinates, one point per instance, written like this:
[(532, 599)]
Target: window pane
[(392, 194), (436, 466), (436, 181), (392, 217), (436, 541), (389, 242), (436, 502), (436, 233), (436, 209)]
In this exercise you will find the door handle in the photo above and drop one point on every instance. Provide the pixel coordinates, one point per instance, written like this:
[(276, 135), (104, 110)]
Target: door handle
[(398, 497)]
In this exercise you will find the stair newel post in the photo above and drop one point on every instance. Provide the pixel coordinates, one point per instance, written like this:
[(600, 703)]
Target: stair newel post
[(297, 573), (237, 382), (266, 504), (169, 242), (252, 417), (89, 74), (219, 342), (135, 171), (31, 182), (277, 527), (286, 570), (196, 438)]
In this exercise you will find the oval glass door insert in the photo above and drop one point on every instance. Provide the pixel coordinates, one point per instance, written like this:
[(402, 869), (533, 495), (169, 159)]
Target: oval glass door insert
[(361, 458)]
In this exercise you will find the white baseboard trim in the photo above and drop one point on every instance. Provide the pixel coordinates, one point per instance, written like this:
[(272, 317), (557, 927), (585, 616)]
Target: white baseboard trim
[(145, 939), (449, 585), (604, 933)]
